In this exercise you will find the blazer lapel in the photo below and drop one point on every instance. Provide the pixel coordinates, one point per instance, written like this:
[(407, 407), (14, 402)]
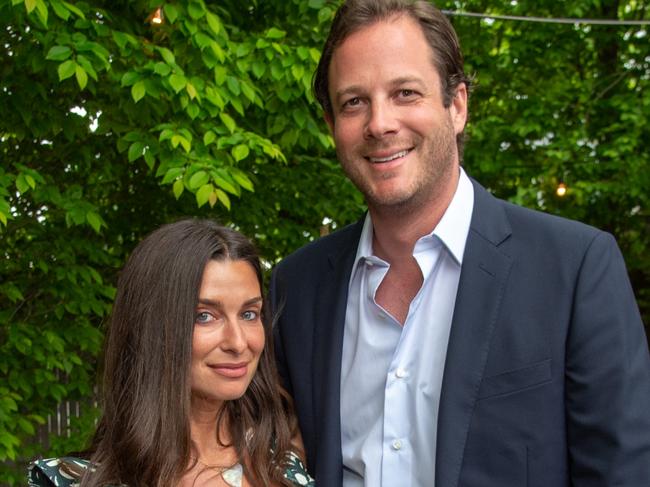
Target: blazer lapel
[(328, 345), (484, 272)]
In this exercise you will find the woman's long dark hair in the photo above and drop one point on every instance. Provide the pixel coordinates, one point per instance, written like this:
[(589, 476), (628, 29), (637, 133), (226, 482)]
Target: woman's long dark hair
[(143, 437)]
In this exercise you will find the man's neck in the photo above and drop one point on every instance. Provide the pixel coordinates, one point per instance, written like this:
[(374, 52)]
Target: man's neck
[(395, 231)]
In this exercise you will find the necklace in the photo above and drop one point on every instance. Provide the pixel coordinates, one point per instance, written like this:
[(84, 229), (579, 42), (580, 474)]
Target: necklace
[(231, 474)]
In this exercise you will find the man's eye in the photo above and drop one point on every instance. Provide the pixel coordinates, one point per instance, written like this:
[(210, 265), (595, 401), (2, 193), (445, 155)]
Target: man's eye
[(250, 315), (406, 93), (352, 102)]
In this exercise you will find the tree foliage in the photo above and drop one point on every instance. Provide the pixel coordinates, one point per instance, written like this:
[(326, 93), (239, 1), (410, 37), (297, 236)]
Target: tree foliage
[(112, 125)]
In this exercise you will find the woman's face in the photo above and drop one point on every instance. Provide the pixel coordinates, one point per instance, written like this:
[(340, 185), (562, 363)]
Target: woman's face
[(228, 334)]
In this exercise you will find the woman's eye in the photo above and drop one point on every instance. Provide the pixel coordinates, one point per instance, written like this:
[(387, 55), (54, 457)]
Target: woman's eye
[(250, 315), (203, 317)]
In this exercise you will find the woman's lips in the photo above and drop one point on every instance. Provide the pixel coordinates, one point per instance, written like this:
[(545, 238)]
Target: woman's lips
[(233, 371)]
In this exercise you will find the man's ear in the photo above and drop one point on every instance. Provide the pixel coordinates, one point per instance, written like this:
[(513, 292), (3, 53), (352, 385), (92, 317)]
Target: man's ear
[(458, 108), (329, 120)]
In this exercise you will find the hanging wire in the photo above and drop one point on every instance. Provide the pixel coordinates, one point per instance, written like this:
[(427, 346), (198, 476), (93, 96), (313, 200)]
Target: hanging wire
[(548, 20)]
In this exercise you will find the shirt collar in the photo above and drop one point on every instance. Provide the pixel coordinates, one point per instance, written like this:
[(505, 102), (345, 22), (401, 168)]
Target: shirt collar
[(452, 229)]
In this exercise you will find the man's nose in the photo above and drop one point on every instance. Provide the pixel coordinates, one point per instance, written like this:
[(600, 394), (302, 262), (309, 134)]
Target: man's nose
[(382, 120)]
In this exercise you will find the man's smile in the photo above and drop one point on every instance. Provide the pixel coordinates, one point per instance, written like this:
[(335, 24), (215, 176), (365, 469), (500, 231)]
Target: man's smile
[(390, 157)]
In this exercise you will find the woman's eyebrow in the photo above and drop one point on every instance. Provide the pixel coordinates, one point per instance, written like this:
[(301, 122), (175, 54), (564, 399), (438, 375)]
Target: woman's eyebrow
[(218, 304)]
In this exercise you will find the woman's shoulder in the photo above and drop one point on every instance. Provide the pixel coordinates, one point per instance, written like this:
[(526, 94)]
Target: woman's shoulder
[(59, 472), (296, 471)]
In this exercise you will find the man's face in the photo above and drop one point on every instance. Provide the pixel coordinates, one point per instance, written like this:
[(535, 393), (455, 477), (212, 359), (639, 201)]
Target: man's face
[(395, 139)]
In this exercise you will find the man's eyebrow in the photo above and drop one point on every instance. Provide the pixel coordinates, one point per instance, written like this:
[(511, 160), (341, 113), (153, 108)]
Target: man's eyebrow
[(356, 89), (402, 80)]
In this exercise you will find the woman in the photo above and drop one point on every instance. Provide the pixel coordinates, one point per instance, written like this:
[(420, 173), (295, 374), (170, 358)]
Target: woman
[(191, 395)]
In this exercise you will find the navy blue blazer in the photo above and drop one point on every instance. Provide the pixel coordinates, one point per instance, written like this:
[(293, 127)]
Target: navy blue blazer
[(547, 375)]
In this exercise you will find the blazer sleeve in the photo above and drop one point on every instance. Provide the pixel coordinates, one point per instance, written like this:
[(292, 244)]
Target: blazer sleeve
[(607, 375)]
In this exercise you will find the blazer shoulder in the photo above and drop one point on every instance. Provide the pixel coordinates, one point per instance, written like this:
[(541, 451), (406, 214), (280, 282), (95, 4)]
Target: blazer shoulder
[(547, 227), (331, 245)]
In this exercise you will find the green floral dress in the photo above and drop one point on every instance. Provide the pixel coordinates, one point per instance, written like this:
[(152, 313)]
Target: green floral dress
[(49, 472)]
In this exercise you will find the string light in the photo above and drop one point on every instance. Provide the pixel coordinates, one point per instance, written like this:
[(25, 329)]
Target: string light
[(548, 20), (561, 189), (157, 17)]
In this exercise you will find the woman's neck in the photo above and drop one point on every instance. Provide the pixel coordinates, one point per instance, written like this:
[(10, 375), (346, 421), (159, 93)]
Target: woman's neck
[(210, 437)]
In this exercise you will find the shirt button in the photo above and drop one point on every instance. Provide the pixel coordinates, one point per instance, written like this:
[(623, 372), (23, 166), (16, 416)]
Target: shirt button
[(397, 445), (400, 373)]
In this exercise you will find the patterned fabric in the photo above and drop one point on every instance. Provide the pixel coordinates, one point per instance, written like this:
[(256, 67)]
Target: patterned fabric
[(56, 472)]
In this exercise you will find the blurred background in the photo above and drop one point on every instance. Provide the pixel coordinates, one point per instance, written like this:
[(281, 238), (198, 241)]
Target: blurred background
[(119, 116)]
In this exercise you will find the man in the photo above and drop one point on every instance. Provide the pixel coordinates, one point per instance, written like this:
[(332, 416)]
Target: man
[(450, 338)]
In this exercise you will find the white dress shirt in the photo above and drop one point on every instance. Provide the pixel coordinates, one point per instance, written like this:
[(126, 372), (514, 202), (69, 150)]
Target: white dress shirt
[(391, 375)]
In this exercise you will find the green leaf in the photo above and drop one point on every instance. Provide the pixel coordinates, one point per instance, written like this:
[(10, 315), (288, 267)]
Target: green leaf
[(178, 188), (258, 69), (212, 199), (82, 77), (26, 426), (199, 178), (74, 10), (298, 71), (94, 220), (223, 198), (162, 69), (179, 139), (227, 185), (129, 78), (165, 134), (196, 10), (325, 15), (30, 181), (59, 53), (66, 69), (240, 152), (237, 105), (316, 4), (135, 151), (248, 91), (203, 194), (21, 184), (41, 10), (167, 55), (202, 40), (216, 49), (84, 63), (30, 5), (314, 54), (243, 181), (59, 9), (220, 75), (209, 137), (171, 14), (233, 85), (193, 110), (214, 23), (177, 82), (173, 174), (275, 33), (190, 90), (138, 91), (149, 158), (228, 121)]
